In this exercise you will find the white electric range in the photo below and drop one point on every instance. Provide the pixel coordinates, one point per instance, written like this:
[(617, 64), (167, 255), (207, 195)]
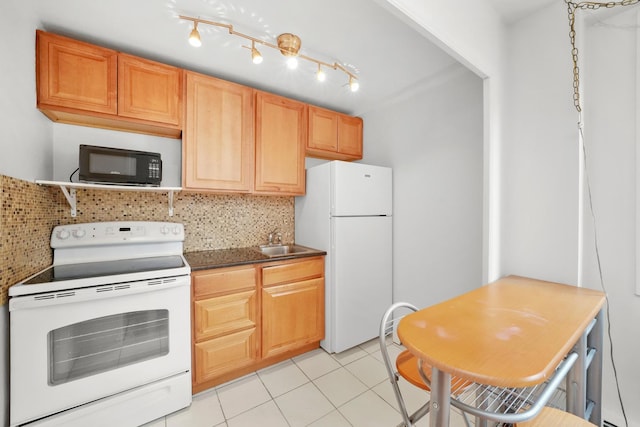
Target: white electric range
[(102, 336)]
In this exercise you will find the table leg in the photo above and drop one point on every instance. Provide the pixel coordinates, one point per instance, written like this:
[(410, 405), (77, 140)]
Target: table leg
[(594, 372), (440, 395), (584, 381), (576, 380)]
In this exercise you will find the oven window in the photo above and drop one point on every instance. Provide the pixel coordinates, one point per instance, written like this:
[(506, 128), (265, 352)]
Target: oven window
[(98, 345)]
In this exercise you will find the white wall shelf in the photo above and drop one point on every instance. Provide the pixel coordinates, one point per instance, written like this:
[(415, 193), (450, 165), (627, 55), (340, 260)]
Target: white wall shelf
[(69, 191)]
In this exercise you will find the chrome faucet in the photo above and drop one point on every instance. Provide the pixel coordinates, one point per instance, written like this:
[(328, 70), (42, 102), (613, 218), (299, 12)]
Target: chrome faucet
[(275, 238)]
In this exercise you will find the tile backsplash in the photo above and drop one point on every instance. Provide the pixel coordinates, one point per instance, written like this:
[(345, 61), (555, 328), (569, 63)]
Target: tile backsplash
[(212, 221), (27, 217)]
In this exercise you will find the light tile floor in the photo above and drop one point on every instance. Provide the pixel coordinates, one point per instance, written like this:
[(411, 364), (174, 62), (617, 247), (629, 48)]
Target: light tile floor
[(349, 389)]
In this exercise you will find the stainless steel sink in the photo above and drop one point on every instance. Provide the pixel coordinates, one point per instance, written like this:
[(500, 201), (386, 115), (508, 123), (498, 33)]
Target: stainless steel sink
[(282, 250)]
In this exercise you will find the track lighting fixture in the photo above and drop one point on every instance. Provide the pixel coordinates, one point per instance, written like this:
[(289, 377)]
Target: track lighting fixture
[(194, 36), (353, 84), (320, 74), (288, 44), (256, 57)]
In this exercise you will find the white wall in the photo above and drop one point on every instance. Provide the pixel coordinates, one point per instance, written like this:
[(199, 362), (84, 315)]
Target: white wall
[(540, 152), (610, 84), (432, 138), (472, 32), (26, 133)]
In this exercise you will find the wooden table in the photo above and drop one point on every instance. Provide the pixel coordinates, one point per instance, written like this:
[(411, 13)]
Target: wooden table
[(511, 333)]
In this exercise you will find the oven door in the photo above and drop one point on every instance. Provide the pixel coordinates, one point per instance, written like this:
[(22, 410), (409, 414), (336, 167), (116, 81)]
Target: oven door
[(72, 347)]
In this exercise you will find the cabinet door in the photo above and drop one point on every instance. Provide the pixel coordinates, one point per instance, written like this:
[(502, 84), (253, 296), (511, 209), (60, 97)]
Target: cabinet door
[(350, 136), (218, 135), (323, 129), (224, 354), (292, 316), (75, 75), (333, 135), (281, 132), (149, 90)]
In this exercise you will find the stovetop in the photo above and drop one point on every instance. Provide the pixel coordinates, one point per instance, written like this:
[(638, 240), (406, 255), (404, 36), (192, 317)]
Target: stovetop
[(86, 270)]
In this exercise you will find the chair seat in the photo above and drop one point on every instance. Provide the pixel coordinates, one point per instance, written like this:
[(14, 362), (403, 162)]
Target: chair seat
[(407, 366), (555, 417)]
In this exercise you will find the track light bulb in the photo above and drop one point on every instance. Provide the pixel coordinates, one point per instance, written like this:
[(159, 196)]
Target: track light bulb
[(194, 36), (321, 75), (292, 63), (353, 84), (256, 57)]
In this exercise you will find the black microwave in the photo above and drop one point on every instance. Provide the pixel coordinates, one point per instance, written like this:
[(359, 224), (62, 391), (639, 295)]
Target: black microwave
[(118, 166)]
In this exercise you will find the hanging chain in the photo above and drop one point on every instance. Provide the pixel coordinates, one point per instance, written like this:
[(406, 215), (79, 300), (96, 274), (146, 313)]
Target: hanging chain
[(571, 8)]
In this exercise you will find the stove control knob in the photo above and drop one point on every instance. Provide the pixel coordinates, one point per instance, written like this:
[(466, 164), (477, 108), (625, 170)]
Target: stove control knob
[(176, 229), (79, 233), (62, 234), (164, 229)]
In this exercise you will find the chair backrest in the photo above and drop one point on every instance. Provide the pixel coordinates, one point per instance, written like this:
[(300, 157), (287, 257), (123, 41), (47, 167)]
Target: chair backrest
[(406, 365), (388, 326)]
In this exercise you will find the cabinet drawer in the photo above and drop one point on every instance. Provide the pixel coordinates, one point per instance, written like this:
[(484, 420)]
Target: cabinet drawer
[(224, 354), (221, 315), (222, 281), (296, 271)]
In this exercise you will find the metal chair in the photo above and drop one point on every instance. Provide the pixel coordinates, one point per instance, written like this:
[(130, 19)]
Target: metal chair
[(406, 366), (555, 417)]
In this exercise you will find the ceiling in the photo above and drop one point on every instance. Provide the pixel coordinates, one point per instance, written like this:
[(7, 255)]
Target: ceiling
[(388, 56)]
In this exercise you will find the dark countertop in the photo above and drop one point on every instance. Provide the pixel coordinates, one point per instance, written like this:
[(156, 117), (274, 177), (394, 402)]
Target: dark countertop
[(219, 258)]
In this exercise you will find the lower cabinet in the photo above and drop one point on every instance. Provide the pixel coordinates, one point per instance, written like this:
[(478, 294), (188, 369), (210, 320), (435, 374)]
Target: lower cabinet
[(292, 306), (249, 317), (226, 333)]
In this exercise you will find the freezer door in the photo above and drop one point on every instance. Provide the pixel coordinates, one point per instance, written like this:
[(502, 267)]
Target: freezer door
[(359, 189), (361, 278)]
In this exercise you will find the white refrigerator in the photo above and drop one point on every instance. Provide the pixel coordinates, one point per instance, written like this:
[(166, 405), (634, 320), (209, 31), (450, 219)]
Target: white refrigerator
[(347, 212)]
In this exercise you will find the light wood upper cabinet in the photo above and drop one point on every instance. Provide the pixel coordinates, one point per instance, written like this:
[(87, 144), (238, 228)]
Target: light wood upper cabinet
[(350, 136), (218, 148), (323, 130), (334, 136), (80, 83), (280, 139), (75, 75), (148, 90)]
